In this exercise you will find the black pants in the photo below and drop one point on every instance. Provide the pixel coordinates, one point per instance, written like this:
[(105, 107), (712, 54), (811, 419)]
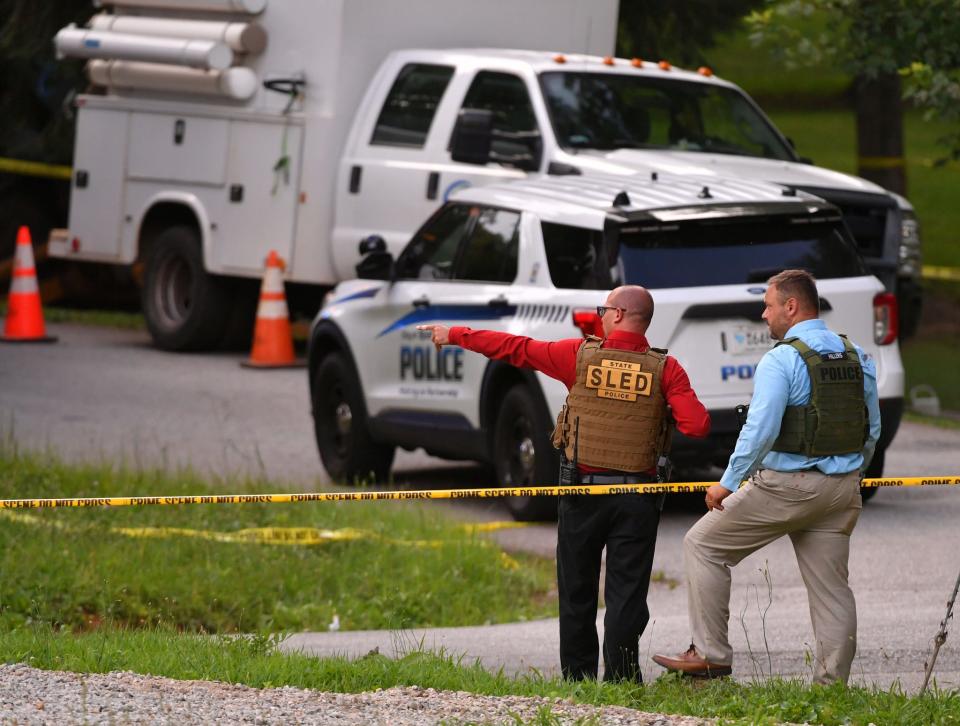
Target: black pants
[(626, 524)]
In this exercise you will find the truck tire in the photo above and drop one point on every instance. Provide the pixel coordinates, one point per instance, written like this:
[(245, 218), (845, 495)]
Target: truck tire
[(185, 307), (348, 452), (523, 455)]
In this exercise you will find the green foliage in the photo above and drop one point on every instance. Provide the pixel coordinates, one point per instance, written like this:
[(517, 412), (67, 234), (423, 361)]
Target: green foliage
[(770, 80), (937, 91), (72, 568), (917, 38), (678, 31), (35, 88), (256, 662), (935, 363), (106, 318)]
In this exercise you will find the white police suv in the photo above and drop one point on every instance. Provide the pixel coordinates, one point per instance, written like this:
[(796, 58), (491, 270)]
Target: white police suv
[(535, 257)]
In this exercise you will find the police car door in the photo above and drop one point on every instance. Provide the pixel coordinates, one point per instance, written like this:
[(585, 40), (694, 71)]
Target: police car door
[(455, 271)]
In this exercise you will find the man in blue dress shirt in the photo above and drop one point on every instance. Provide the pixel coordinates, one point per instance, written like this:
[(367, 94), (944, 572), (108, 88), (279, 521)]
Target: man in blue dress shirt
[(809, 435)]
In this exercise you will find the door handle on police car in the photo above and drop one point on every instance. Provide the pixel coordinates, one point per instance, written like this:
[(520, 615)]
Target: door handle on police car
[(498, 302), (422, 302)]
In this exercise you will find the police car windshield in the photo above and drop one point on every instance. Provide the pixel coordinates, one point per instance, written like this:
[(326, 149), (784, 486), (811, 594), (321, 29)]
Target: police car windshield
[(605, 111), (693, 254)]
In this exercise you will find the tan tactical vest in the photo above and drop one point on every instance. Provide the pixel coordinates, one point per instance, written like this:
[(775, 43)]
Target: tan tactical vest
[(621, 408)]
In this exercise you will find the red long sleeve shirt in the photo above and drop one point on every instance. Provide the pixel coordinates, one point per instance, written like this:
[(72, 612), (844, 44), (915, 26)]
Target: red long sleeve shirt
[(558, 359)]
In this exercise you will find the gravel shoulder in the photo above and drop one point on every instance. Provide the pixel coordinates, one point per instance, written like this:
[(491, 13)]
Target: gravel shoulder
[(31, 696)]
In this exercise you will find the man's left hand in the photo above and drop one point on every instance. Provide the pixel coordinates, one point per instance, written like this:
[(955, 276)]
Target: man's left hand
[(715, 495)]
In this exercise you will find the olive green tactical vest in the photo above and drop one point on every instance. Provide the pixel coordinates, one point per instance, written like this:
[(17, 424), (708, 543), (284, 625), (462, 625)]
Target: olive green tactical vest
[(835, 420), (617, 397)]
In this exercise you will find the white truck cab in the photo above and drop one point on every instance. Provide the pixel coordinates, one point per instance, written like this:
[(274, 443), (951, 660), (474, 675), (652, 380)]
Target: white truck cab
[(535, 257), (221, 129)]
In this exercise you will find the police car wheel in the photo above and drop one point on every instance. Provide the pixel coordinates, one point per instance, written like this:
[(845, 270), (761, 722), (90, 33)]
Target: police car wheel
[(348, 452), (523, 455)]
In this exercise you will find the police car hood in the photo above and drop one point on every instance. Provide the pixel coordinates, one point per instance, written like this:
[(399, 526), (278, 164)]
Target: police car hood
[(791, 173)]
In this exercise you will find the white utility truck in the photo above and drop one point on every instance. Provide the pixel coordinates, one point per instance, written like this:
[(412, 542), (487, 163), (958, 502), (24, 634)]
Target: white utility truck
[(221, 129)]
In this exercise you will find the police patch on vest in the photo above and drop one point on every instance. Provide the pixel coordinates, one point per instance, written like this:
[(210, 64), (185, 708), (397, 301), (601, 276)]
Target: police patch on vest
[(838, 374), (619, 379)]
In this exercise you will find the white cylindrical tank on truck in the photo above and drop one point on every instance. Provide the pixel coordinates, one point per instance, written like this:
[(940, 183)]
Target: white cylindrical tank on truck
[(79, 43)]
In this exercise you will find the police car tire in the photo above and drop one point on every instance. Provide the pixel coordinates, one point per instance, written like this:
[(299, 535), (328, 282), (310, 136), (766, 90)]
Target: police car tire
[(356, 456), (520, 413), (174, 269)]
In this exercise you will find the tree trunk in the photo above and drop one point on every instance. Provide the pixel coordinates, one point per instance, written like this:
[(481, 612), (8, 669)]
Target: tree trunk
[(879, 108)]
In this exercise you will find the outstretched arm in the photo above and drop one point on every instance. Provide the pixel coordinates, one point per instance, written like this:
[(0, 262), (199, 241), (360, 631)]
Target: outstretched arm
[(556, 359)]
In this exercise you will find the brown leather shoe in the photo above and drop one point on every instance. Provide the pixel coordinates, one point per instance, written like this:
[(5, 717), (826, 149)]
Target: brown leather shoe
[(692, 664)]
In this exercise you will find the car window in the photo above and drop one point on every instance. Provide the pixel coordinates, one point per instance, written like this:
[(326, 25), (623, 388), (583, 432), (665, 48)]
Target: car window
[(516, 136), (572, 257), (490, 254), (411, 104), (614, 111), (433, 250), (742, 251)]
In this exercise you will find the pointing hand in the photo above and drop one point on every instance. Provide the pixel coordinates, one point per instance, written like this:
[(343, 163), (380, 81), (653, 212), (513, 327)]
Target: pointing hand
[(439, 334)]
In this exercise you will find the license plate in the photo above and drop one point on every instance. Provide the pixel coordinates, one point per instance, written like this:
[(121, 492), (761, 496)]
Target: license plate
[(743, 340)]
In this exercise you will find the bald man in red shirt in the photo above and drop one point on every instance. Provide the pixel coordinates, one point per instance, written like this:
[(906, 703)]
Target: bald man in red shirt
[(626, 524)]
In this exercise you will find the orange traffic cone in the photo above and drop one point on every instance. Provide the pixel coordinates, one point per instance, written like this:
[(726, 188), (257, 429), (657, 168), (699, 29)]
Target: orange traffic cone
[(272, 340), (24, 322)]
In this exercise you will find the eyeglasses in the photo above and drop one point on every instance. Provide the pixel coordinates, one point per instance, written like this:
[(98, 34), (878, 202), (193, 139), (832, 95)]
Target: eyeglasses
[(602, 309)]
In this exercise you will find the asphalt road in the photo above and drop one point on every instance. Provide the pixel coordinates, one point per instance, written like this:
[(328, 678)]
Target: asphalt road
[(104, 394)]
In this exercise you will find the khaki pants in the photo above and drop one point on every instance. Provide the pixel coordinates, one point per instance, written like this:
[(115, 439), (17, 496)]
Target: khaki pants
[(818, 512)]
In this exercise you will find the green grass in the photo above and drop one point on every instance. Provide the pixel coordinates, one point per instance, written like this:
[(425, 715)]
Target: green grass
[(769, 80), (69, 567), (935, 362), (106, 318), (257, 663)]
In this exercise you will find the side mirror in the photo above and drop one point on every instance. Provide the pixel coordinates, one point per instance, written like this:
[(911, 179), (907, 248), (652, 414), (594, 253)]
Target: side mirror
[(472, 136), (372, 243), (377, 263)]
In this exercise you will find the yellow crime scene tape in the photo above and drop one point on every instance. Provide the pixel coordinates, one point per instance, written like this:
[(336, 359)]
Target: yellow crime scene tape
[(940, 272), (35, 168), (295, 536), (413, 494)]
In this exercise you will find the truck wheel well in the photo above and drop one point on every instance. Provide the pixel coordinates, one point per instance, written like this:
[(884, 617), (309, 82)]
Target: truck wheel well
[(497, 380), (320, 348), (326, 340), (162, 216)]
